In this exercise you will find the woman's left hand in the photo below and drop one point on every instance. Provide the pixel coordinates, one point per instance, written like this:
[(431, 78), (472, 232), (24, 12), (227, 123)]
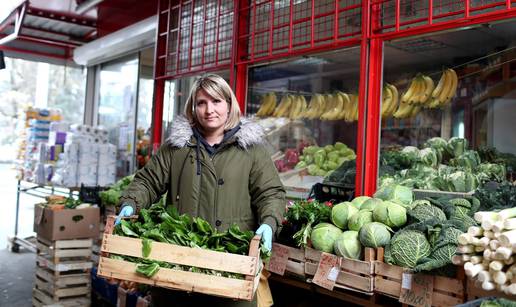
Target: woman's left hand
[(266, 232)]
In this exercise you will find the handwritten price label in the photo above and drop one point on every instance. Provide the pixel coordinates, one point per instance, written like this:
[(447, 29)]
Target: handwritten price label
[(279, 259), (327, 271), (417, 290)]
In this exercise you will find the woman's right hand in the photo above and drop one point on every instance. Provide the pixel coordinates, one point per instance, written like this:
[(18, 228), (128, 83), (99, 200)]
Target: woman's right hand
[(126, 211)]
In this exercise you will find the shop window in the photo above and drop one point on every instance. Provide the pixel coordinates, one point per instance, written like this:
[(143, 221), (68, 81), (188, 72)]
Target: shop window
[(450, 132), (308, 107), (116, 108)]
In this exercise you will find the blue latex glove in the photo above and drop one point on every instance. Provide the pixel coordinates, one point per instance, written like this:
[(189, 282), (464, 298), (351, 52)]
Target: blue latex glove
[(266, 232), (126, 211)]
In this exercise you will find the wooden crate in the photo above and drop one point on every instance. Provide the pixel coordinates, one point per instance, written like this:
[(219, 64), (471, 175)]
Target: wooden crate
[(296, 261), (40, 298), (420, 194), (354, 275), (387, 281), (243, 289), (62, 274)]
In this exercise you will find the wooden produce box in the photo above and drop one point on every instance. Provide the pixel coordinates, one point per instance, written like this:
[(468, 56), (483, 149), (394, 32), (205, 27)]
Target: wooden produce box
[(242, 289), (388, 281), (355, 275), (295, 264)]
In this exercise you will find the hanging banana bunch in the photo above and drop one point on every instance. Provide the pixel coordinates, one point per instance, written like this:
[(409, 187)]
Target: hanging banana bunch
[(390, 99), (268, 104), (282, 110), (445, 90)]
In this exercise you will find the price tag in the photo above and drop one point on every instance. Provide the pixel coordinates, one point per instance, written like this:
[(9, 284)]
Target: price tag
[(327, 271), (417, 290), (279, 259)]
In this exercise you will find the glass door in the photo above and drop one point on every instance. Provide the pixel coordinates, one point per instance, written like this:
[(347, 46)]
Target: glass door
[(118, 84)]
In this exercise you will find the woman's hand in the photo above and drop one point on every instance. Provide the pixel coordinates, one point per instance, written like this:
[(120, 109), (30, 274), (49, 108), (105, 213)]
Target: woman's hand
[(126, 211), (266, 232)]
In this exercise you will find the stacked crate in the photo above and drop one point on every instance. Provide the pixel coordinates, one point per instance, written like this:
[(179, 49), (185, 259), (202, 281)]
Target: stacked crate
[(63, 273)]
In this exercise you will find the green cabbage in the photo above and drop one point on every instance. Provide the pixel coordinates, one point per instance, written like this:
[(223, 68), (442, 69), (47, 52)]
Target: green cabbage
[(407, 248), (323, 237), (390, 214), (423, 210), (340, 214), (359, 201), (461, 181), (347, 245), (359, 219), (370, 204), (375, 235), (396, 193), (429, 157), (456, 146)]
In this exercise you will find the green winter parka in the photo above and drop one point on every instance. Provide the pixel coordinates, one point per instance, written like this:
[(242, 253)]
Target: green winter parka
[(238, 184)]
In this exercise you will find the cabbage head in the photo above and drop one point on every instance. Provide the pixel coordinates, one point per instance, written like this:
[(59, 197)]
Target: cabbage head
[(438, 144), (347, 245), (468, 160), (461, 181), (407, 248), (423, 210), (409, 155), (396, 193), (390, 214), (341, 213), (456, 146), (358, 201), (323, 237), (375, 235), (429, 157), (491, 171), (370, 204), (359, 219)]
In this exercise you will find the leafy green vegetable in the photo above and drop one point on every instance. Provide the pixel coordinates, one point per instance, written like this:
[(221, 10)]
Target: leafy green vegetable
[(146, 247), (303, 214), (148, 270), (406, 248)]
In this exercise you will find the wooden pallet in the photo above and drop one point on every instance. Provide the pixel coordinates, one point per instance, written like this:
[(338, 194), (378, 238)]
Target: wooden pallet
[(446, 291), (242, 289), (354, 275)]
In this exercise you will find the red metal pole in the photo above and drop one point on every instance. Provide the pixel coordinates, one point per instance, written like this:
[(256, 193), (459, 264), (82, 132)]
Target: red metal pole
[(312, 35), (157, 111), (238, 77), (190, 46), (362, 97), (290, 20), (374, 86)]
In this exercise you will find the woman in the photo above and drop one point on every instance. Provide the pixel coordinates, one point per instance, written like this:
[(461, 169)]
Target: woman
[(213, 166)]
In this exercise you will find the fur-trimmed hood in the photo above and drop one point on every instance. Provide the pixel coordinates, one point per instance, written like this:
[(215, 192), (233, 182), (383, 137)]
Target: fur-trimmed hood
[(249, 134)]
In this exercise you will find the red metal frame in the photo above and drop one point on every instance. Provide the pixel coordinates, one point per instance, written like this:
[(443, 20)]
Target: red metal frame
[(375, 29)]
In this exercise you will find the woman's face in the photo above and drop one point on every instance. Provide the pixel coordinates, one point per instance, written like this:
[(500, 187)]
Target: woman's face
[(211, 113)]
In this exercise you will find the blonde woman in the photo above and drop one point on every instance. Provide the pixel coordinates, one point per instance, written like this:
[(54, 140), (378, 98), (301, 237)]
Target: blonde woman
[(214, 166)]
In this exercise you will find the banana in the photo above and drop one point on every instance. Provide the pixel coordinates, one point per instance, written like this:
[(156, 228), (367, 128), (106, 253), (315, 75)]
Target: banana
[(387, 99), (340, 106), (346, 103), (453, 88), (272, 104), (319, 107), (268, 105), (411, 91), (440, 85), (294, 108), (419, 91), (395, 99), (403, 110), (304, 107), (429, 87), (354, 102), (446, 88), (283, 107)]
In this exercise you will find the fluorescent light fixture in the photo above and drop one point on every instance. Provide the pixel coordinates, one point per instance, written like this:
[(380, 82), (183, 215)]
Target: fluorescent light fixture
[(116, 44), (86, 6)]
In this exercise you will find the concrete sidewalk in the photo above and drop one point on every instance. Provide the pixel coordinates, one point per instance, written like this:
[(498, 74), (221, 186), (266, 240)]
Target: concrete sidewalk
[(16, 277)]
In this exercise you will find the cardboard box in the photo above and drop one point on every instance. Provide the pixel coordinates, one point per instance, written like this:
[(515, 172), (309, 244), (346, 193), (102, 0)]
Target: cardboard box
[(66, 223)]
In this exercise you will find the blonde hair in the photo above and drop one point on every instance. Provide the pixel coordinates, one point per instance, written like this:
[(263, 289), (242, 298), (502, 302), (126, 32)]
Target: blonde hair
[(215, 86)]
